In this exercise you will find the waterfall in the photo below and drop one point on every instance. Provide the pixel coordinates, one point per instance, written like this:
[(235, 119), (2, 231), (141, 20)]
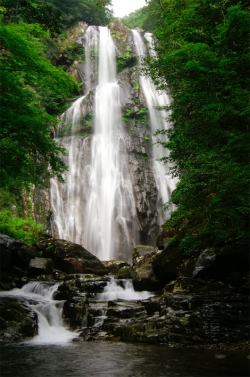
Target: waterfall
[(165, 184), (95, 207), (39, 297), (101, 201), (110, 203)]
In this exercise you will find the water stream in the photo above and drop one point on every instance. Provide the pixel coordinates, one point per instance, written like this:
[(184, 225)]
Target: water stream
[(158, 121)]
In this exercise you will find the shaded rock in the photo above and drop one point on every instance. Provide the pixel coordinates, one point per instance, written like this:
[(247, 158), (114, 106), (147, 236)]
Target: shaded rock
[(6, 244), (144, 277), (165, 264), (18, 322), (187, 267), (23, 255), (59, 275), (211, 264), (71, 258), (114, 266), (40, 266)]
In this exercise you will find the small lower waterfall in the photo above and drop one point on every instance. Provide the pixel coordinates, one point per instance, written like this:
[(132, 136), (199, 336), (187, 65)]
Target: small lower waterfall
[(39, 297)]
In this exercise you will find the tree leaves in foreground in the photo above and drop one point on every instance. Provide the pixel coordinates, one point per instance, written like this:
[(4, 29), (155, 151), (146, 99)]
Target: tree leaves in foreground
[(203, 54), (32, 90)]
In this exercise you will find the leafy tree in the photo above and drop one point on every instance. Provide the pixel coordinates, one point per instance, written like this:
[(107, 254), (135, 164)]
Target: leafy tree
[(56, 15), (33, 11), (203, 55), (32, 90)]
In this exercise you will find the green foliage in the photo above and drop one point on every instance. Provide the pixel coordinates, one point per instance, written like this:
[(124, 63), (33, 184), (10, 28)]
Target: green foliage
[(90, 11), (32, 90), (26, 230), (81, 128), (125, 60), (57, 15), (140, 116), (203, 54)]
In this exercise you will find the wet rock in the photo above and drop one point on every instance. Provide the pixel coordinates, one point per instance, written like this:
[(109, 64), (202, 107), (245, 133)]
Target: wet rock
[(114, 266), (74, 310), (125, 272), (71, 258), (78, 284), (144, 278), (40, 266), (18, 322)]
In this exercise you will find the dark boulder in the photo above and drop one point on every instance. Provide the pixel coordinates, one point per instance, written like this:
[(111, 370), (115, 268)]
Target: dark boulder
[(18, 322), (165, 264), (71, 258), (22, 256)]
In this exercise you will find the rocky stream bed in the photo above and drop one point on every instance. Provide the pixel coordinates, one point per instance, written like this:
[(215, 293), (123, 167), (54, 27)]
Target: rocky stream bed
[(192, 306)]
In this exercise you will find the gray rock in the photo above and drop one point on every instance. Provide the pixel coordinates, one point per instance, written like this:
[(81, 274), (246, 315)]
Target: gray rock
[(205, 260), (144, 277), (40, 266)]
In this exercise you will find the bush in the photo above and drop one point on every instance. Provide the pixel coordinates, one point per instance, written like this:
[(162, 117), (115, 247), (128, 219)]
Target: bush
[(26, 230)]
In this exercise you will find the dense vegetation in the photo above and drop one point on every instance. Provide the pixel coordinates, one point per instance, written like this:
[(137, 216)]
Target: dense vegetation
[(203, 55), (35, 89)]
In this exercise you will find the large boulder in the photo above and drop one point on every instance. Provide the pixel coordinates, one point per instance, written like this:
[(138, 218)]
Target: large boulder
[(70, 257), (144, 277), (166, 263)]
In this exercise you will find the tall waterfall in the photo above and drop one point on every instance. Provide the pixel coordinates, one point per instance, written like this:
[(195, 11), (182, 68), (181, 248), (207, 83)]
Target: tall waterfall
[(106, 199), (110, 201), (165, 184)]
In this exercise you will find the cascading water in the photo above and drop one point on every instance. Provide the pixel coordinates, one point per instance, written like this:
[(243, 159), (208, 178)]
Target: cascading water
[(110, 203), (97, 206), (39, 297), (165, 184)]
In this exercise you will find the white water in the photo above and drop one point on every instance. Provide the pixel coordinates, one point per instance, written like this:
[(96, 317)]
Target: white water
[(110, 201), (95, 207), (49, 312), (113, 291), (154, 99)]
